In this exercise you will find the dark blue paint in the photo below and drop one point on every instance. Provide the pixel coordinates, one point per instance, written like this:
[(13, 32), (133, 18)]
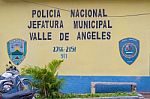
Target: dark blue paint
[(129, 49), (82, 84)]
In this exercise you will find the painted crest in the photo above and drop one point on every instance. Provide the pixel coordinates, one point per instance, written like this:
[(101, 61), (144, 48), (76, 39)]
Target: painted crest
[(17, 49), (129, 49)]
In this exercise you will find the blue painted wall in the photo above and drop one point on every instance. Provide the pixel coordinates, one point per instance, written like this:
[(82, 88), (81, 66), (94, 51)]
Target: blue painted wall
[(82, 84)]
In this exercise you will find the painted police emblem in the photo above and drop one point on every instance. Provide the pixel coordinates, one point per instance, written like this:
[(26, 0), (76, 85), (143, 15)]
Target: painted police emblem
[(129, 49), (17, 49)]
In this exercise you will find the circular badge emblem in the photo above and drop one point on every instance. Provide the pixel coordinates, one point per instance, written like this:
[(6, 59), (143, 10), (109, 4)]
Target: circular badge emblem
[(129, 50)]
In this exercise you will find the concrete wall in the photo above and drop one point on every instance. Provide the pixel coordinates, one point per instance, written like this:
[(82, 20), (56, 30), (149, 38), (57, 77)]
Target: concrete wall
[(82, 84), (94, 60)]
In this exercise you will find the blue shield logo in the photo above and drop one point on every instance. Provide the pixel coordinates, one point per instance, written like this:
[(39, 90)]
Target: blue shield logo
[(129, 49), (17, 49)]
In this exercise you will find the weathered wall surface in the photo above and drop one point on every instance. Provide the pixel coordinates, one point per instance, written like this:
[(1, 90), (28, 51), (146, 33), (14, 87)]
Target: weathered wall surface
[(92, 57)]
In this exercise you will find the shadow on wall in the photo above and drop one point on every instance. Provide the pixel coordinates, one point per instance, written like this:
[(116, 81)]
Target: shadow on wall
[(14, 1), (105, 1)]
